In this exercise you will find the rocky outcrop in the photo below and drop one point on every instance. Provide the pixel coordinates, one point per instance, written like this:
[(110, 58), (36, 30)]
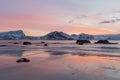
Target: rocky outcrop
[(23, 60), (27, 43), (104, 42), (81, 42)]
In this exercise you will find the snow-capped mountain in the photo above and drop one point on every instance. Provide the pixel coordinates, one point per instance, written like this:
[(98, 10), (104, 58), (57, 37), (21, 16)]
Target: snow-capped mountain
[(82, 36), (32, 38), (57, 36), (63, 36), (12, 35), (74, 36), (107, 37)]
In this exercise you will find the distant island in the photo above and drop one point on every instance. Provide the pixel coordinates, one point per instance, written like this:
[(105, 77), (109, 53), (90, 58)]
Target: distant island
[(56, 35)]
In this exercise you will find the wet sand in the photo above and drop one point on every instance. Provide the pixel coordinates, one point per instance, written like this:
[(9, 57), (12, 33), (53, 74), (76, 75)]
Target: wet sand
[(50, 63)]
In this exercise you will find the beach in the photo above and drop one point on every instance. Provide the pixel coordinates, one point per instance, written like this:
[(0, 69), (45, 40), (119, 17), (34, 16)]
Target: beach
[(60, 60)]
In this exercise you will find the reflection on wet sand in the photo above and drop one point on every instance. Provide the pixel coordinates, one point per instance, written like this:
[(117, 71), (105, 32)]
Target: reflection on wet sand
[(57, 52), (100, 55), (82, 54), (50, 66), (58, 62)]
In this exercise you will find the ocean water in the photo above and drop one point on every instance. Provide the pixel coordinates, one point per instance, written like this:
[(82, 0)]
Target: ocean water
[(60, 60)]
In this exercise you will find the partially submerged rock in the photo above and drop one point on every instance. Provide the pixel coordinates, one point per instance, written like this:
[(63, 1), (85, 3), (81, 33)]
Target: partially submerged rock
[(104, 42), (42, 42), (23, 60), (46, 44), (27, 43), (81, 42)]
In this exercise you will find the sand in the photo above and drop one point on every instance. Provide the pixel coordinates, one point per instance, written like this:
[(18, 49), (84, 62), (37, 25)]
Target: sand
[(60, 60)]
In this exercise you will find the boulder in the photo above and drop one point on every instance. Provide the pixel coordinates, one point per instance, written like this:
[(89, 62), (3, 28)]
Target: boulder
[(15, 43), (81, 42), (23, 60), (46, 44), (42, 42), (27, 43), (104, 42)]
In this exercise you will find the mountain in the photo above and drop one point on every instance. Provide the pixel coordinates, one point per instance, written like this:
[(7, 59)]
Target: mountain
[(107, 37), (82, 36), (63, 36), (12, 35), (32, 38), (74, 36), (57, 36)]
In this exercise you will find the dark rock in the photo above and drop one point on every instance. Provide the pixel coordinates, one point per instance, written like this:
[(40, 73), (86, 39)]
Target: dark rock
[(23, 60), (42, 42), (104, 42), (27, 43), (45, 44), (15, 43), (81, 42)]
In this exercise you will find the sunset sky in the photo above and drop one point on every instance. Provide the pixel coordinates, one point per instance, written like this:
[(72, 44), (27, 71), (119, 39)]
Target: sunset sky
[(38, 17)]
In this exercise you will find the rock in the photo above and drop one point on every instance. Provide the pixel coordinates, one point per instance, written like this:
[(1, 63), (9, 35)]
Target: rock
[(104, 42), (81, 42), (23, 60), (45, 44), (42, 42), (15, 43), (27, 43)]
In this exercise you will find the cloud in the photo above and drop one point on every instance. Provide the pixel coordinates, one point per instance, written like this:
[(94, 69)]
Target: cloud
[(109, 16), (105, 22), (110, 21), (77, 18)]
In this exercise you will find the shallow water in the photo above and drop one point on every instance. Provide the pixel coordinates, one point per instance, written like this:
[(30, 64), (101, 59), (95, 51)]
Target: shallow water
[(60, 60)]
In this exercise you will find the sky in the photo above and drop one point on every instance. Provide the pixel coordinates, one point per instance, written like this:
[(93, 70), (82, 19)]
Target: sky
[(39, 17)]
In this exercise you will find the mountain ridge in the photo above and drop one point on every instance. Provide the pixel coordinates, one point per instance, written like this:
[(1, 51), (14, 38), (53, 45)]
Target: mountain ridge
[(56, 35)]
